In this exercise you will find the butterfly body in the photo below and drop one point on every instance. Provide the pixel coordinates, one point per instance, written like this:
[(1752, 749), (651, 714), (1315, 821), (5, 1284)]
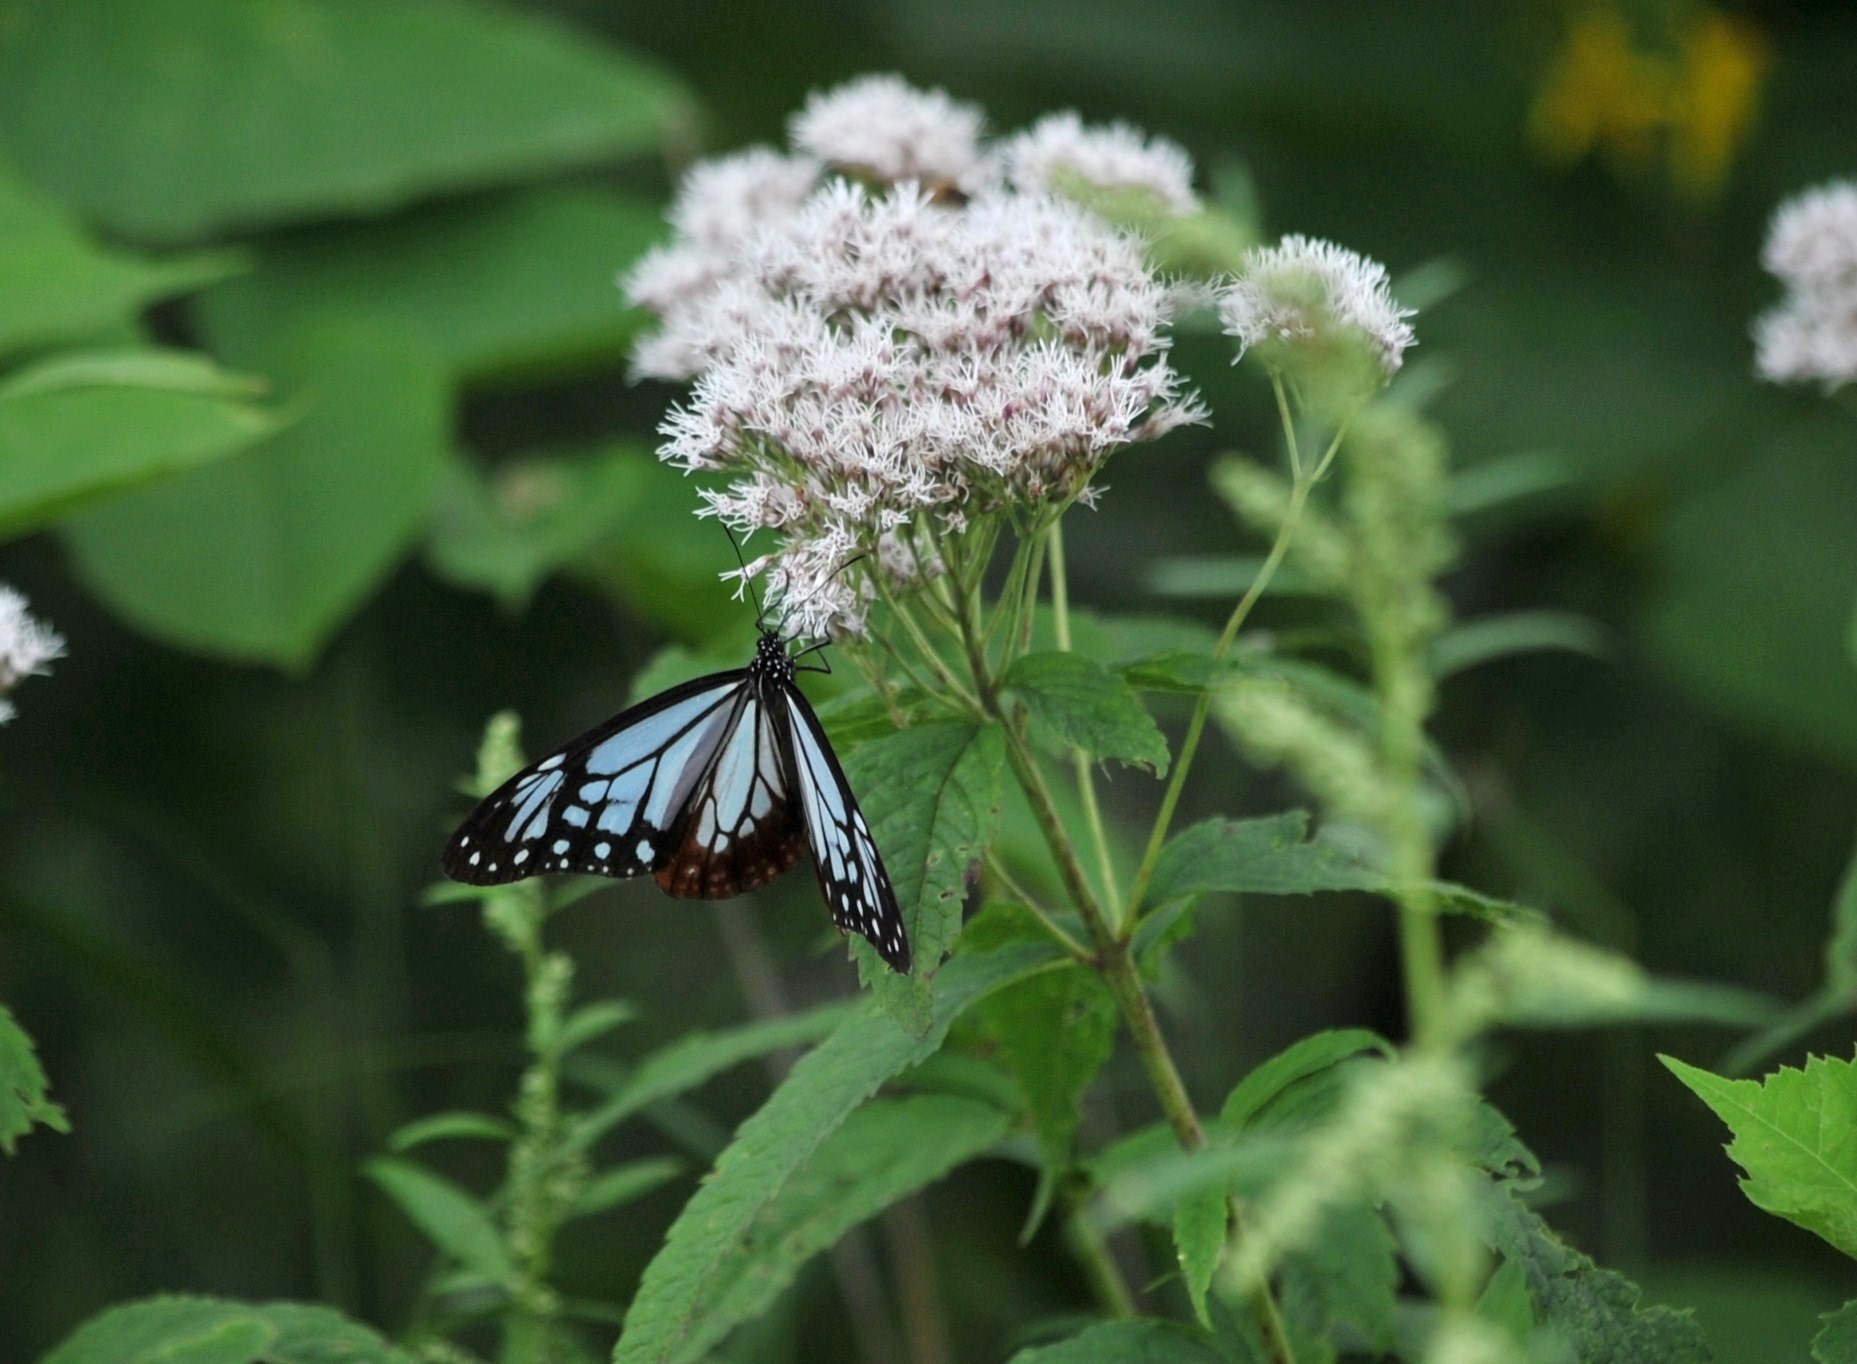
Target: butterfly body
[(714, 787)]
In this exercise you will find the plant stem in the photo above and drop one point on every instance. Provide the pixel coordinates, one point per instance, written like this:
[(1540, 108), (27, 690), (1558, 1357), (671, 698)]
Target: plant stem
[(1086, 777), (1099, 1266)]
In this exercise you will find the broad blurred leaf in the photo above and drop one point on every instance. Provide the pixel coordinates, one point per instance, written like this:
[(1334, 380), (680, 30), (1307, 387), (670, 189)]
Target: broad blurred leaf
[(23, 1088), (516, 283), (771, 1147), (624, 1183), (504, 532), (1476, 642), (1343, 1284), (590, 1022), (931, 796), (456, 1222), (213, 1331), (58, 285), (229, 113), (80, 427), (1795, 1133), (1085, 704), (1299, 1061), (885, 1151), (1836, 1342), (1268, 855), (1595, 1312), (262, 558), (1126, 1342), (698, 1058), (455, 1126), (1759, 632)]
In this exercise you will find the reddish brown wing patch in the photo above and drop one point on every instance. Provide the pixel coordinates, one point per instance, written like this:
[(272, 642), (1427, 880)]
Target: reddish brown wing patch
[(698, 871)]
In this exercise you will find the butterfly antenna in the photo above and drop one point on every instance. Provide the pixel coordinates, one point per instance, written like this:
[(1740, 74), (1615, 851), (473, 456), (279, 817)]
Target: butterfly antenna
[(754, 593)]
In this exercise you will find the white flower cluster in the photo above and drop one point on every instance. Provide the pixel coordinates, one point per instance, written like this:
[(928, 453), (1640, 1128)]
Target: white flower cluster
[(1812, 246), (1306, 294), (1060, 149), (876, 364), (26, 646)]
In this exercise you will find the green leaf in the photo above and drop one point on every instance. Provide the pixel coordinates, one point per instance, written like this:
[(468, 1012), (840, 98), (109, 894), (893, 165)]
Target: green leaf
[(23, 1088), (1201, 1222), (1477, 642), (60, 286), (1085, 704), (1836, 1343), (1795, 1133), (1841, 947), (506, 532), (78, 428), (931, 796), (698, 1058), (1343, 1284), (1269, 855), (230, 113), (886, 1150), (590, 1022), (773, 1145), (624, 1183), (1594, 1312), (456, 1126), (185, 1330), (455, 1221), (313, 519), (1225, 577), (1126, 1342), (1504, 1302), (1265, 1084), (1053, 1033), (499, 286)]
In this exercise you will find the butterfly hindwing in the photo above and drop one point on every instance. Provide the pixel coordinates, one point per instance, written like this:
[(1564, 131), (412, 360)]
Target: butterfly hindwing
[(851, 874), (609, 802)]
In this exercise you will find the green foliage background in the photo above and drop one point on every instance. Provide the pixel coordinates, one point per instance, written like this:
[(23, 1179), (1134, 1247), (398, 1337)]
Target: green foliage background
[(338, 290)]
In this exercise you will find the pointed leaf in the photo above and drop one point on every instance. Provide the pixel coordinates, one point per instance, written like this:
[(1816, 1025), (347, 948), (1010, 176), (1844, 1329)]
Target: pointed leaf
[(1795, 1133), (1126, 1342), (1836, 1342), (455, 1221), (773, 1145), (1201, 1223), (1053, 1033), (623, 1183), (23, 1088), (187, 1330), (1088, 706), (1300, 1061), (458, 1126), (590, 1022), (230, 113), (1270, 855), (313, 519)]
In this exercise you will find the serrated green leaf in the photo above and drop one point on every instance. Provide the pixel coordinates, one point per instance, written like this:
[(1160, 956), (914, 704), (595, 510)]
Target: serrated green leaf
[(1269, 855), (506, 532), (79, 428), (1342, 1285), (456, 1222), (1504, 1302), (590, 1022), (1795, 1133), (1086, 705), (231, 113), (931, 796), (1266, 1083), (187, 1330), (821, 1090), (314, 517), (886, 1150), (698, 1058), (24, 1101), (60, 286), (1200, 1224), (1053, 1034), (457, 1126), (1126, 1342), (1595, 1312), (1836, 1342), (624, 1183), (507, 285)]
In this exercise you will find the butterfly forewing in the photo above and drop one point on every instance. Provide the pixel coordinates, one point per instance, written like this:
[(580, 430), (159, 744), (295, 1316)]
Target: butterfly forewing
[(851, 873), (609, 802)]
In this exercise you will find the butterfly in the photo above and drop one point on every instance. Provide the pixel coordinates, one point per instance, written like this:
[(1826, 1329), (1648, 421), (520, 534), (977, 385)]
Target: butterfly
[(715, 787)]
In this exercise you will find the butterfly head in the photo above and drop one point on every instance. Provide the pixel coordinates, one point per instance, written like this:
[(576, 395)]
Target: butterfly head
[(771, 659)]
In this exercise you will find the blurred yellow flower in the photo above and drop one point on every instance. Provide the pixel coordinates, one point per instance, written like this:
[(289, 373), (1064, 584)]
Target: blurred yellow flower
[(1683, 99)]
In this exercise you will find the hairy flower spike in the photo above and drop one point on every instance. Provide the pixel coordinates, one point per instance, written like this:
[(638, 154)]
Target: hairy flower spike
[(882, 127), (1812, 246), (27, 646), (1305, 300), (877, 367), (1060, 151)]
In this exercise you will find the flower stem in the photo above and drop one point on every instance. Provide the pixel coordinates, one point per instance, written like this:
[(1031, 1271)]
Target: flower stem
[(1086, 776)]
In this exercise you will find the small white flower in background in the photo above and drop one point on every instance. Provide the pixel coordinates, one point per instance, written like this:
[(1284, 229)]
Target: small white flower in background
[(1812, 246), (878, 366), (1059, 149), (26, 646), (885, 128), (1305, 296)]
